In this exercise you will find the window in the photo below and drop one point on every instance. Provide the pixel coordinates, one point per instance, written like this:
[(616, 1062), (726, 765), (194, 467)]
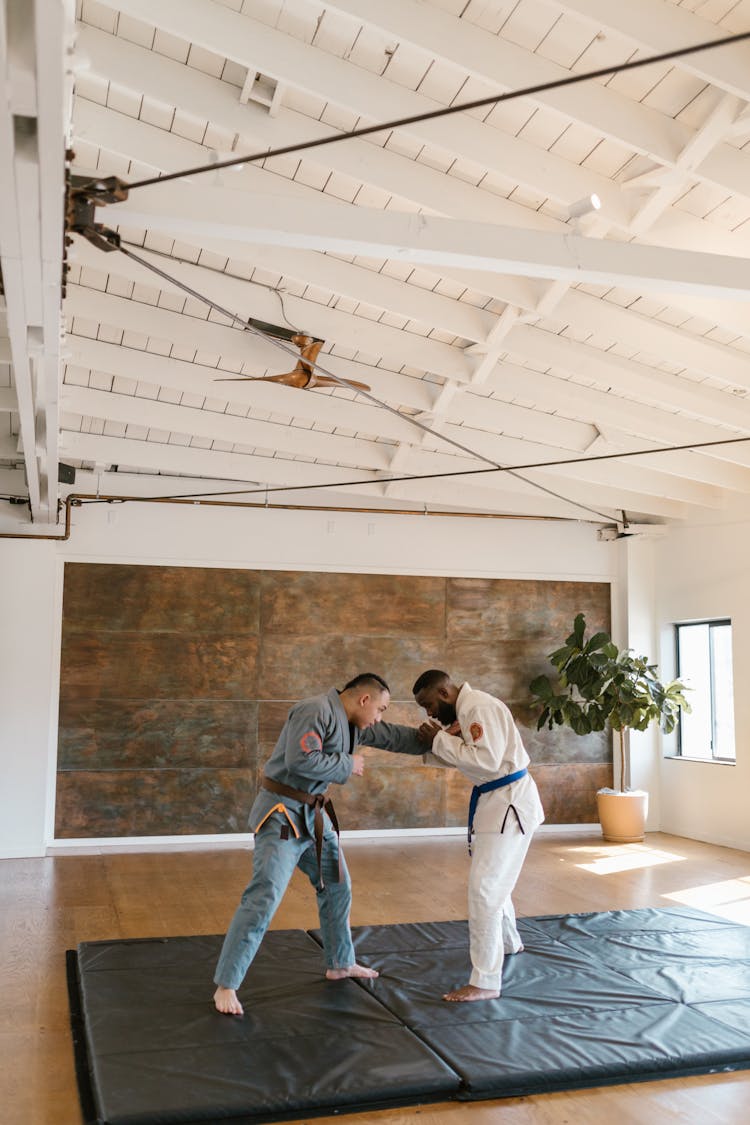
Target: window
[(704, 664)]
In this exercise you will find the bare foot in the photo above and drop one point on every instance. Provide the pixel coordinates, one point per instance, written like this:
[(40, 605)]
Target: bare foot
[(471, 992), (352, 971), (226, 1002)]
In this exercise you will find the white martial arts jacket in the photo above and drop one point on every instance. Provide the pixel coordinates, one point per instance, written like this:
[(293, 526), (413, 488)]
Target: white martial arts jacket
[(490, 747)]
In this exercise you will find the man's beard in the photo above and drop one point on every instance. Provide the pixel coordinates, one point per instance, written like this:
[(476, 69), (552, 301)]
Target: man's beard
[(446, 713)]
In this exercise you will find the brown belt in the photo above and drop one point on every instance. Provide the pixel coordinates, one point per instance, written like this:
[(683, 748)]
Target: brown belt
[(318, 802)]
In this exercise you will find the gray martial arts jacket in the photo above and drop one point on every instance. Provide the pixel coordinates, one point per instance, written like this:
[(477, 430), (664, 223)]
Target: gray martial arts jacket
[(315, 747)]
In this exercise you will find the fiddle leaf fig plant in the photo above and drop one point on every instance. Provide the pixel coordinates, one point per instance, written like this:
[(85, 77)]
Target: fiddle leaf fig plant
[(597, 683)]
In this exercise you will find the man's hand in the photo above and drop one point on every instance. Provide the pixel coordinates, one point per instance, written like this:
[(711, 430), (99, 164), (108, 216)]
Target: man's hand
[(358, 766), (427, 731)]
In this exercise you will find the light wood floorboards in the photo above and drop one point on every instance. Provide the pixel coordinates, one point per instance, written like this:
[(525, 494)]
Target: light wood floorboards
[(49, 905)]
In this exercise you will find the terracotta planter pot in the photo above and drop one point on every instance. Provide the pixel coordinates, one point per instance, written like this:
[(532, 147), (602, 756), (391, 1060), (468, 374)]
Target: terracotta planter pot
[(623, 816)]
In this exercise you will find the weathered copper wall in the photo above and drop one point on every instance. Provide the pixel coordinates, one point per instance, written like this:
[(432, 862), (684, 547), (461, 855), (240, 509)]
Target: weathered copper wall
[(175, 682)]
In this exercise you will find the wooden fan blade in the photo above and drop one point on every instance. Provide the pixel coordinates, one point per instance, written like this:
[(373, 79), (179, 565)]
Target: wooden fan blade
[(310, 352), (297, 378)]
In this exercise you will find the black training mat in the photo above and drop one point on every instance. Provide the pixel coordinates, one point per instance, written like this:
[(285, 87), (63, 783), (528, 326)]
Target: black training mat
[(594, 999), (158, 1053)]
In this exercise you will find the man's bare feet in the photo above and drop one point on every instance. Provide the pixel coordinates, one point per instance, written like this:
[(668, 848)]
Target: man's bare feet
[(471, 992), (352, 971), (226, 1002)]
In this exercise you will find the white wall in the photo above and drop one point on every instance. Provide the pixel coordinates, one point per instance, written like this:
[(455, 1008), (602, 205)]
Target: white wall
[(31, 596), (702, 572), (641, 635), (29, 662)]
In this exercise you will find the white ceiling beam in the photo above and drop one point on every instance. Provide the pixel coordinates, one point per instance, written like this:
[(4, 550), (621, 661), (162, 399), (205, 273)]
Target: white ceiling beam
[(625, 375), (301, 65), (580, 308), (274, 398), (186, 212), (358, 415), (403, 348), (198, 378), (627, 475), (163, 416), (215, 465), (172, 83), (508, 495), (497, 61), (636, 420), (166, 417), (18, 232), (34, 119), (653, 337), (169, 153), (661, 26), (694, 466), (706, 138), (54, 24), (310, 268), (579, 499), (628, 377), (145, 484), (471, 411)]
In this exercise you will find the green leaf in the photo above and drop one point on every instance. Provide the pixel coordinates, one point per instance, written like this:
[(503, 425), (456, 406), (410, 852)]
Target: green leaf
[(599, 640), (541, 687)]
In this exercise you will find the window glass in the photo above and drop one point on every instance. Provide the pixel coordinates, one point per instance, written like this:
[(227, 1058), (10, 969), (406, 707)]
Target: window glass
[(704, 658)]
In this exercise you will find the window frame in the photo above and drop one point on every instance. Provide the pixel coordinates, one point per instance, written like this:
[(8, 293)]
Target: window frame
[(711, 622)]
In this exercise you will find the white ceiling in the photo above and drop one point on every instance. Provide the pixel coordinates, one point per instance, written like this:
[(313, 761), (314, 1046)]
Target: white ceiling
[(437, 261)]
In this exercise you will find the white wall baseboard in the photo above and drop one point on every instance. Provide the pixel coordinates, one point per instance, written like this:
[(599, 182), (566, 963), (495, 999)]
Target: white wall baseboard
[(83, 846)]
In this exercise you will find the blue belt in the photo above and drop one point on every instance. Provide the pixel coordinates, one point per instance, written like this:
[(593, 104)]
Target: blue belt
[(488, 786)]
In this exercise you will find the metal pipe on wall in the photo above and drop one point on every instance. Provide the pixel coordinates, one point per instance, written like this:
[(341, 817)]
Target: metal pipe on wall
[(77, 500)]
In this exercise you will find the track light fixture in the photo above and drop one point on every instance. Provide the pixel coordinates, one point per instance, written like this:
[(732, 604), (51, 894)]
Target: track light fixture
[(584, 206)]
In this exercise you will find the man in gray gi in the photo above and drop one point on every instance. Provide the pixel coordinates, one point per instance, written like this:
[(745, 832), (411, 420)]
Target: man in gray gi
[(294, 824)]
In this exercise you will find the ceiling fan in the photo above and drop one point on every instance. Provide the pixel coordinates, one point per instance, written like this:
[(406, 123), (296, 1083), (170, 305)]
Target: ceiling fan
[(304, 376)]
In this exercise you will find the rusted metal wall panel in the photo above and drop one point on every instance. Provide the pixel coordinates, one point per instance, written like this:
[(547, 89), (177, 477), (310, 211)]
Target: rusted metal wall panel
[(175, 682)]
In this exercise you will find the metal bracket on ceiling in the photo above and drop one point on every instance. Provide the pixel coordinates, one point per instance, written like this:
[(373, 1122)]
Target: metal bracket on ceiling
[(83, 196)]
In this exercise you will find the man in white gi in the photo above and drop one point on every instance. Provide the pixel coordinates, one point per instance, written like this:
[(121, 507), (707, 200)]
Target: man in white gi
[(483, 742), (295, 826)]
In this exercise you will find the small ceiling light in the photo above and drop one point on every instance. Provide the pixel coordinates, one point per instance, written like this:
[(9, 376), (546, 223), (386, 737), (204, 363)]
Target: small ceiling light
[(584, 206)]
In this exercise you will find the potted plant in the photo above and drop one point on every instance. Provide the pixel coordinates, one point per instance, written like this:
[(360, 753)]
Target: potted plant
[(598, 684)]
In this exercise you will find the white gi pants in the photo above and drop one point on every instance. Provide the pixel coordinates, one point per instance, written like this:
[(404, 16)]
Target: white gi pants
[(496, 862)]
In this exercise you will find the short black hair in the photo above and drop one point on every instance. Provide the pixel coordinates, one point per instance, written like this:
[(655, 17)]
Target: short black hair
[(429, 679), (367, 679)]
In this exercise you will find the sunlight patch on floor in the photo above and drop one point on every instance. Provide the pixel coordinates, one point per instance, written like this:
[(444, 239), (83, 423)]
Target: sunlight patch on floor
[(628, 857), (729, 899)]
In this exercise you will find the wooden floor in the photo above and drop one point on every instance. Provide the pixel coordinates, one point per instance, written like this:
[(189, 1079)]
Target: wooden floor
[(48, 905)]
